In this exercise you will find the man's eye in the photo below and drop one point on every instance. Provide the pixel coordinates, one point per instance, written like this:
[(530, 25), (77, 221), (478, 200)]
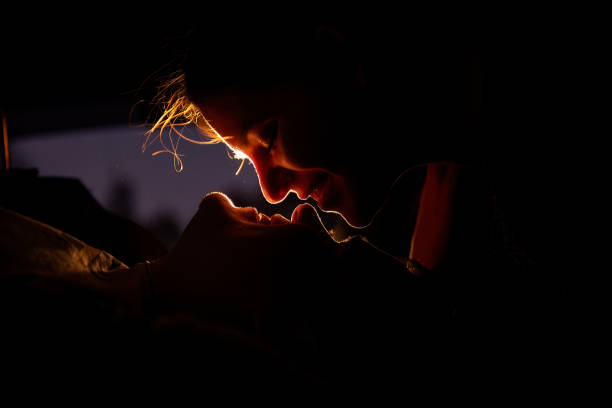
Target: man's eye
[(269, 133)]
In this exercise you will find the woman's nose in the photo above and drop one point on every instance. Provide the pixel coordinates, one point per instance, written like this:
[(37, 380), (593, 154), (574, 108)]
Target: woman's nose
[(274, 180)]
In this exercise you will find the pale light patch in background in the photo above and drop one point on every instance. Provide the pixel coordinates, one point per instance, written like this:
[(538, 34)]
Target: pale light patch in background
[(110, 162)]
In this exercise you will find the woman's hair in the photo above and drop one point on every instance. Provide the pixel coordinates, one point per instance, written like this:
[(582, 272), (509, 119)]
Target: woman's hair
[(219, 59), (424, 77), (177, 114)]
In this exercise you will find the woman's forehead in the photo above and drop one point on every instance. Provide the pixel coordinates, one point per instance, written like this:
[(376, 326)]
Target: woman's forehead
[(232, 112), (224, 119)]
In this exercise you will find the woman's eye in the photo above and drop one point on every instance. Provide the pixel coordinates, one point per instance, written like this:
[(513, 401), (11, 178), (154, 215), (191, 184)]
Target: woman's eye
[(268, 134)]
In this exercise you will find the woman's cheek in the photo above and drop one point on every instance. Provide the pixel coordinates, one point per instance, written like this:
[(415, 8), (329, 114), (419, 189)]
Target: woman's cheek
[(298, 145)]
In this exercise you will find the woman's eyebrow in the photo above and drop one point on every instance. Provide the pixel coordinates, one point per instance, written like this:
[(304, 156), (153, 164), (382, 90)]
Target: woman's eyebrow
[(208, 127)]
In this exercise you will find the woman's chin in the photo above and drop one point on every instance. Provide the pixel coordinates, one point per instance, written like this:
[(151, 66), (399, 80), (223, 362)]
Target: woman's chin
[(339, 196), (354, 217)]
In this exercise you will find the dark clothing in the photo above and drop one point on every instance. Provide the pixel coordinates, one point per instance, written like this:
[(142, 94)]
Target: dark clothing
[(376, 325)]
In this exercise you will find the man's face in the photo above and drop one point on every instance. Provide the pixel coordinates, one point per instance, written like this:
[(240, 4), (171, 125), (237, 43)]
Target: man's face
[(302, 141)]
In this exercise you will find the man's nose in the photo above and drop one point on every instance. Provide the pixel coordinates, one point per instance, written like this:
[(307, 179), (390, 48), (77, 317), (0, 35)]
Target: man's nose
[(275, 181)]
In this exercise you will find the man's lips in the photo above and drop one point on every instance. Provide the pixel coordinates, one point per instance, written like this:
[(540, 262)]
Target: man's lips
[(251, 214)]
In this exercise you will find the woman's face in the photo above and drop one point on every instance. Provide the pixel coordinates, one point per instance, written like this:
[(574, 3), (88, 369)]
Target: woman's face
[(305, 141), (327, 116)]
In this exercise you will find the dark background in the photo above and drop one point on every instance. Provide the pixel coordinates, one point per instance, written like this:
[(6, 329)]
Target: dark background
[(66, 71), (79, 71), (86, 69)]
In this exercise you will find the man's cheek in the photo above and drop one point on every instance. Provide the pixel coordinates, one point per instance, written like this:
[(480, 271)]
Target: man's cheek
[(248, 214)]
